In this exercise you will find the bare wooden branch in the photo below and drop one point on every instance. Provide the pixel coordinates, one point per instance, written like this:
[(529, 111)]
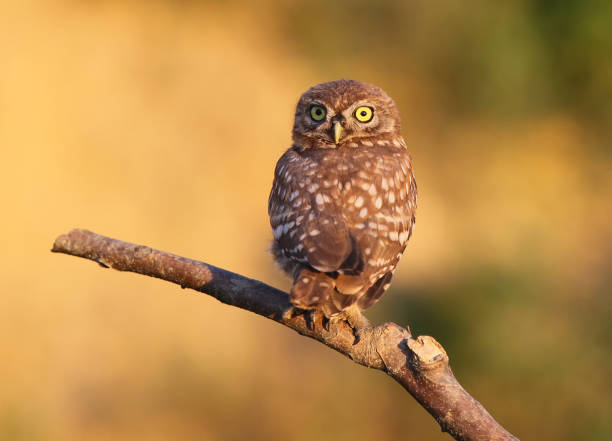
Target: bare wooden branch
[(419, 364)]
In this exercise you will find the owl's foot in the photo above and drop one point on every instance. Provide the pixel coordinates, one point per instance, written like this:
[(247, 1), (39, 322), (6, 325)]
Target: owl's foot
[(361, 331), (309, 315), (355, 319), (309, 318)]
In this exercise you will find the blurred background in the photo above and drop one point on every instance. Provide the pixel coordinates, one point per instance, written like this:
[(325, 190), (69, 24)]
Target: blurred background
[(160, 122)]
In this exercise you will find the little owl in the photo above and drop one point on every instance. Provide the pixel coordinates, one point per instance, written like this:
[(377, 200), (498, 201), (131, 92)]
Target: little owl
[(343, 201)]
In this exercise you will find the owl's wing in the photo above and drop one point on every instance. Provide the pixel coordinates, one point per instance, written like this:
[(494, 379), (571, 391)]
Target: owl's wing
[(323, 243), (306, 227)]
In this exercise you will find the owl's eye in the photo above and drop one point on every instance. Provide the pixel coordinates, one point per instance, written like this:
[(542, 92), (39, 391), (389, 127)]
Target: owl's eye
[(364, 114), (317, 112)]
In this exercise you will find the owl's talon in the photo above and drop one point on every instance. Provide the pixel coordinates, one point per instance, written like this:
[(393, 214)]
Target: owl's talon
[(309, 318), (356, 321), (359, 333), (325, 323)]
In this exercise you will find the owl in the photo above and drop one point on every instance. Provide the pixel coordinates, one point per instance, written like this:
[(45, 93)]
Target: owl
[(343, 200)]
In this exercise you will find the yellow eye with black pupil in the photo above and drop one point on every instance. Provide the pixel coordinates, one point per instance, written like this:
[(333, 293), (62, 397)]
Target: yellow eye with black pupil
[(317, 113), (364, 114)]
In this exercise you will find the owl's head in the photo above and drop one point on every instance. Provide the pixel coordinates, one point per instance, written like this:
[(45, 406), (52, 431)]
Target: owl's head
[(344, 112)]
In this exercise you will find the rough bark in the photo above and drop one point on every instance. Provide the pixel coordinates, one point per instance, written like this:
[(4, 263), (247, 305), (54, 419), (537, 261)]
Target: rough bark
[(419, 364)]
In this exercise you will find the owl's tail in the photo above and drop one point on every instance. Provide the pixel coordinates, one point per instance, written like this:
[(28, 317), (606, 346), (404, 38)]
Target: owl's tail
[(313, 289)]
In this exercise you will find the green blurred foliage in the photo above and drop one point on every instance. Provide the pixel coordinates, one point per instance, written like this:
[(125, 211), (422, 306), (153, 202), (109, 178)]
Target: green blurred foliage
[(505, 60)]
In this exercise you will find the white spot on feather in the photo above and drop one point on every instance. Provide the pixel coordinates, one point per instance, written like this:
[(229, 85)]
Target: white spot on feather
[(278, 231)]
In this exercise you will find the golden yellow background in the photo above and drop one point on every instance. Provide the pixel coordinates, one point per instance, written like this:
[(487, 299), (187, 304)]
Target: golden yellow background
[(159, 122)]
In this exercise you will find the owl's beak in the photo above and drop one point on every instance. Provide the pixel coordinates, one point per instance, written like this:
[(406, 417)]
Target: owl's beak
[(338, 131)]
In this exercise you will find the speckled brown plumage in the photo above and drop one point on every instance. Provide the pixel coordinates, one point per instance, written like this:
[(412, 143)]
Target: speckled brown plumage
[(344, 197)]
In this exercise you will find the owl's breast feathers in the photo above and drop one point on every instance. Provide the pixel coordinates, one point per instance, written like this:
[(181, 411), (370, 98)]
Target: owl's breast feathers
[(346, 212)]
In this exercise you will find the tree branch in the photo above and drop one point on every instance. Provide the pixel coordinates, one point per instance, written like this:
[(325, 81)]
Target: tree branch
[(419, 364)]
